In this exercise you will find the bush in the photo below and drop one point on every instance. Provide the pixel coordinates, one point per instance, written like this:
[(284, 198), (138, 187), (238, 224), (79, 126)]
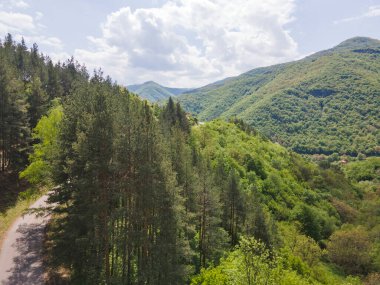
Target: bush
[(350, 249), (372, 279)]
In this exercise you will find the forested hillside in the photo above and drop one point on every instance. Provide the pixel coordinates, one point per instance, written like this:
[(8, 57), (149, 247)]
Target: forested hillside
[(327, 102), (154, 92), (142, 194), (165, 201)]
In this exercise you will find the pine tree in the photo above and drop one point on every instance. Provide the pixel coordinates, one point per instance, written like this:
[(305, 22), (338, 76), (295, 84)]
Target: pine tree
[(37, 101), (23, 60), (234, 206), (4, 106), (127, 210), (53, 87), (212, 237), (14, 128)]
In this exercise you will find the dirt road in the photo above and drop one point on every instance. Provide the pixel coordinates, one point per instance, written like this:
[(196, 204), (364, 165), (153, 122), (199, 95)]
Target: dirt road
[(21, 252)]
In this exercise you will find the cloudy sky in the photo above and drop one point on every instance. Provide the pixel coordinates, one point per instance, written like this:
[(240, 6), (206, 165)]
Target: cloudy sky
[(185, 43)]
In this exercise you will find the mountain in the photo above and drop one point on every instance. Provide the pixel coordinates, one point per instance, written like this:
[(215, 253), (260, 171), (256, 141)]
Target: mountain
[(327, 102), (153, 91), (148, 196)]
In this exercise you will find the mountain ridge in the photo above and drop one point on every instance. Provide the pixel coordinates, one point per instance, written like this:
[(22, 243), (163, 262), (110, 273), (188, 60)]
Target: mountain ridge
[(154, 92), (323, 103)]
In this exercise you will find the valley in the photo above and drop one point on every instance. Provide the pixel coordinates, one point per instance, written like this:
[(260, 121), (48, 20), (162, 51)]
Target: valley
[(279, 185)]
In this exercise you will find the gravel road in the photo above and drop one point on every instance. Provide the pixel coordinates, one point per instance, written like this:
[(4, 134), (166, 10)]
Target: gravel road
[(21, 251)]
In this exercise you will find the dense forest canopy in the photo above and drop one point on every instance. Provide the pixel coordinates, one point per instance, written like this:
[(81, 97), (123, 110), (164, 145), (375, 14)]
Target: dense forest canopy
[(325, 103), (145, 195)]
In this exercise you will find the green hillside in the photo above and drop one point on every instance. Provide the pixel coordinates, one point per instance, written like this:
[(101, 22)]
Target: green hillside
[(154, 92), (303, 201), (327, 102)]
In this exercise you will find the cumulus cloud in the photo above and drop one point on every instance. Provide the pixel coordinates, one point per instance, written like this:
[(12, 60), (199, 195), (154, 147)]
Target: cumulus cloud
[(22, 25), (373, 11), (190, 43), (19, 4), (15, 22), (39, 16), (11, 4), (60, 56), (52, 42)]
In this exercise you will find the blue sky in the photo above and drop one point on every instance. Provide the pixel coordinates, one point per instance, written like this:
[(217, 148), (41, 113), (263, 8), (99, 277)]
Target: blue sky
[(185, 43)]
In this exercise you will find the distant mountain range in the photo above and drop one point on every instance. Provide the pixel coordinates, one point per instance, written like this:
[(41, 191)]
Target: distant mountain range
[(154, 92), (327, 102)]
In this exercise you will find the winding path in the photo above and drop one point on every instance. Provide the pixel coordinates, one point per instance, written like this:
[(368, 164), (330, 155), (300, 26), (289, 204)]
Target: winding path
[(21, 251)]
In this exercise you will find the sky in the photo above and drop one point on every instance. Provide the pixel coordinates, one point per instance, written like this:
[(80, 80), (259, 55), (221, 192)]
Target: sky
[(185, 43)]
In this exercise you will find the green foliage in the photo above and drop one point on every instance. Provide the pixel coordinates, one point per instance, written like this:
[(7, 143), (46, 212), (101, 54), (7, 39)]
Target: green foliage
[(188, 195), (288, 187), (173, 116), (364, 170), (258, 264), (29, 81), (46, 132), (122, 213), (251, 263), (364, 217), (300, 245), (14, 127), (324, 103), (309, 220)]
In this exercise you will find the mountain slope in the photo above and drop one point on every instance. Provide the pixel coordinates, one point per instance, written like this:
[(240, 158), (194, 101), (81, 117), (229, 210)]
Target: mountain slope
[(327, 102), (282, 177), (153, 91)]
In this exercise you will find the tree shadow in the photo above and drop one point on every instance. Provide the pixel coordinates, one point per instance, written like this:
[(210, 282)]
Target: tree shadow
[(10, 188), (28, 267)]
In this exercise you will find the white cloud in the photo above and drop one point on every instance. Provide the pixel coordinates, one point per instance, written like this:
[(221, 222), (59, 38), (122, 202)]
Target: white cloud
[(52, 42), (22, 25), (59, 56), (15, 22), (13, 4), (190, 43), (19, 4), (373, 11), (39, 15)]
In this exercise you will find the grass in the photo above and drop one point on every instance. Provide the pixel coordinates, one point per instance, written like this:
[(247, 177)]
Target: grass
[(8, 217)]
